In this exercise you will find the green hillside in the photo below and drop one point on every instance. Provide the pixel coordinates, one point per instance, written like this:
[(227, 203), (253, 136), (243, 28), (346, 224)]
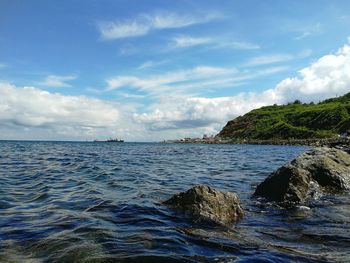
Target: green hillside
[(293, 121)]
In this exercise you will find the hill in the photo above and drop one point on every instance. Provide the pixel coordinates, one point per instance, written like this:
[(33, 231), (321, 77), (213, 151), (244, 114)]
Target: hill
[(293, 121)]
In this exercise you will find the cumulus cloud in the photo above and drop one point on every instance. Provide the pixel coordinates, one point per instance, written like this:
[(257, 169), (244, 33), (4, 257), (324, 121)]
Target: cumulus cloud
[(31, 113), (34, 112), (144, 24), (54, 81), (181, 112), (327, 77)]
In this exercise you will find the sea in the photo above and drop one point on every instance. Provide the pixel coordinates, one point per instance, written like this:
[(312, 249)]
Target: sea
[(102, 202)]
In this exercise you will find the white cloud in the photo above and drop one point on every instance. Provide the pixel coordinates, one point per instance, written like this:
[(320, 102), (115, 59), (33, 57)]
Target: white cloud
[(170, 81), (130, 95), (216, 42), (144, 24), (305, 53), (152, 64), (188, 81), (184, 113), (115, 30), (308, 30), (300, 29), (327, 77), (276, 58), (31, 113), (268, 59), (187, 41), (54, 81), (172, 20), (239, 45)]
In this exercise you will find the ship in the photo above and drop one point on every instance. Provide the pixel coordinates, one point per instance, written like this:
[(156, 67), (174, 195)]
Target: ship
[(115, 140), (110, 140)]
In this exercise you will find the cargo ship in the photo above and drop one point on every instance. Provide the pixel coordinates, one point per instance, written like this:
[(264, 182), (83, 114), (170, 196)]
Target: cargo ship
[(110, 140)]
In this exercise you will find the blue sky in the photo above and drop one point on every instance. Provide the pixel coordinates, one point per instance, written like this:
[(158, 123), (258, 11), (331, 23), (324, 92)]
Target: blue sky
[(153, 70)]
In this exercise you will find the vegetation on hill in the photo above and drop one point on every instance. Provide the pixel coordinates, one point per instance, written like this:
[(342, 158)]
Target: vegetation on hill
[(293, 121)]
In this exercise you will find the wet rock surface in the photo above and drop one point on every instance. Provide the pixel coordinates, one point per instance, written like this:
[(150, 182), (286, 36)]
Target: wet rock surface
[(319, 170), (204, 203)]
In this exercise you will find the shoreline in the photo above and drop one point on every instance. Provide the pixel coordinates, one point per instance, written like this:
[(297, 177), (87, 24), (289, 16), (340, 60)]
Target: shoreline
[(330, 142)]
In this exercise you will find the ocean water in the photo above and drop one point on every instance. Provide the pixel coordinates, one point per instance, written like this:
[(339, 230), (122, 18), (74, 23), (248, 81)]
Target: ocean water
[(101, 202)]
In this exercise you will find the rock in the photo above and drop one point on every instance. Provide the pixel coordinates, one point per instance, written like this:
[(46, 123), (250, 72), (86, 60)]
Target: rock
[(319, 170), (288, 183), (205, 203)]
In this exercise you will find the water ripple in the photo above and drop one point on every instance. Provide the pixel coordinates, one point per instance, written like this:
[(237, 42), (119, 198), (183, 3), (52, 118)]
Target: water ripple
[(101, 202)]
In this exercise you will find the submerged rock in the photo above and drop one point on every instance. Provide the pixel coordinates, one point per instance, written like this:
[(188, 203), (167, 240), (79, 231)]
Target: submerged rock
[(205, 203), (319, 170)]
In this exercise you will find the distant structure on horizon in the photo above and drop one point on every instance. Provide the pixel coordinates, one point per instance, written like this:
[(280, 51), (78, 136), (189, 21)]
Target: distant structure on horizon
[(204, 139), (110, 140)]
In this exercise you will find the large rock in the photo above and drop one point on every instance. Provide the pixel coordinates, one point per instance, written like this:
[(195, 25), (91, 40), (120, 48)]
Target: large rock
[(205, 203), (319, 170)]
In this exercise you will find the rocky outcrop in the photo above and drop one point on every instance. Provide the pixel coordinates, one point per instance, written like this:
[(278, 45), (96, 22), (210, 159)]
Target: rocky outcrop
[(341, 144), (320, 170), (205, 203)]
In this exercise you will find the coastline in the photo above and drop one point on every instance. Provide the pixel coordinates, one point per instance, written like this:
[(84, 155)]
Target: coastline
[(341, 142)]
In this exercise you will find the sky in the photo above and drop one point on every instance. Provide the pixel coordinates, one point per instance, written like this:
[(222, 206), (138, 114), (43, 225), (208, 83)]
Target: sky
[(150, 70)]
